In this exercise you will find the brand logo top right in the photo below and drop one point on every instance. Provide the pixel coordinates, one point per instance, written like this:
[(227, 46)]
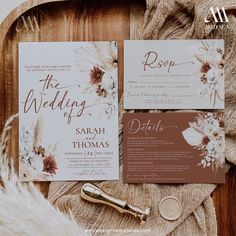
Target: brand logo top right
[(219, 16)]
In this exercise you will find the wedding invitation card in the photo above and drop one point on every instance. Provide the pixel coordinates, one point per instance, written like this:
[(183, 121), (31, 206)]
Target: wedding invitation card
[(174, 147), (68, 105), (174, 74)]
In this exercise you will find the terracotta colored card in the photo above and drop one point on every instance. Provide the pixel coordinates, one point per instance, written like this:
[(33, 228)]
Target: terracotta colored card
[(174, 148), (174, 74), (68, 104)]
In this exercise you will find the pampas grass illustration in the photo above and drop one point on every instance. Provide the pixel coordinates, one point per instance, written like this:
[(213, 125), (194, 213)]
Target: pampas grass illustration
[(24, 210), (36, 162), (37, 134), (99, 63), (211, 59)]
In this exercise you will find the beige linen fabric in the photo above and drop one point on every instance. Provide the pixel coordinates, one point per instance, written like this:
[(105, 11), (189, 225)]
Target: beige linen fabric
[(172, 19)]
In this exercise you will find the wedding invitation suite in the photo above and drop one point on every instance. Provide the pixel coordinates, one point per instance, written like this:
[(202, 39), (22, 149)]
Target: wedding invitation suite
[(174, 147), (174, 74), (68, 105)]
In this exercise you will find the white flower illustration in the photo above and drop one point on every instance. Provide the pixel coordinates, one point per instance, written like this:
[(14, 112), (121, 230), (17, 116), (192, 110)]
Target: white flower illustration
[(99, 62), (207, 135), (36, 162), (210, 57)]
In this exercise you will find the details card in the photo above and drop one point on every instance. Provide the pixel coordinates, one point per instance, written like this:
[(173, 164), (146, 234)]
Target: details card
[(68, 105), (174, 147), (174, 74)]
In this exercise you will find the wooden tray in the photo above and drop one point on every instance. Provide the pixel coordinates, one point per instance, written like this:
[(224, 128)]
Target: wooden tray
[(82, 20), (44, 20)]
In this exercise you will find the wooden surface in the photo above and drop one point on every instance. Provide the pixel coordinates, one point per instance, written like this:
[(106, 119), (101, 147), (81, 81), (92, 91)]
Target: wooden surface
[(81, 21), (224, 198)]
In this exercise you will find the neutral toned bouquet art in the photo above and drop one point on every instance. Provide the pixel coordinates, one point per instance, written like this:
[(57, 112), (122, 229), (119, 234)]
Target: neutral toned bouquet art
[(207, 134), (210, 57), (36, 162), (99, 63)]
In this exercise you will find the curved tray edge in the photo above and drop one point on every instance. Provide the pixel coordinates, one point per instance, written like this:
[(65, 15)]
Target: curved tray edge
[(18, 11)]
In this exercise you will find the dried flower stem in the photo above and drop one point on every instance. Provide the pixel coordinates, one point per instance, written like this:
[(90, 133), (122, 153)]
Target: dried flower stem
[(5, 134), (37, 133)]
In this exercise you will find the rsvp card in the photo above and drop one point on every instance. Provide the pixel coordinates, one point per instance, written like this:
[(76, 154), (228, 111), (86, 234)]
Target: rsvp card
[(174, 74), (68, 107), (174, 147)]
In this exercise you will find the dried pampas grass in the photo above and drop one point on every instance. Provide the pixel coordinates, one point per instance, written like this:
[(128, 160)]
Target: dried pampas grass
[(23, 209)]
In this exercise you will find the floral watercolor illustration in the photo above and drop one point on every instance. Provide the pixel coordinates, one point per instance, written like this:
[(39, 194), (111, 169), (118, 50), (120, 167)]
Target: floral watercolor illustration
[(36, 162), (210, 56), (99, 62), (206, 133)]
